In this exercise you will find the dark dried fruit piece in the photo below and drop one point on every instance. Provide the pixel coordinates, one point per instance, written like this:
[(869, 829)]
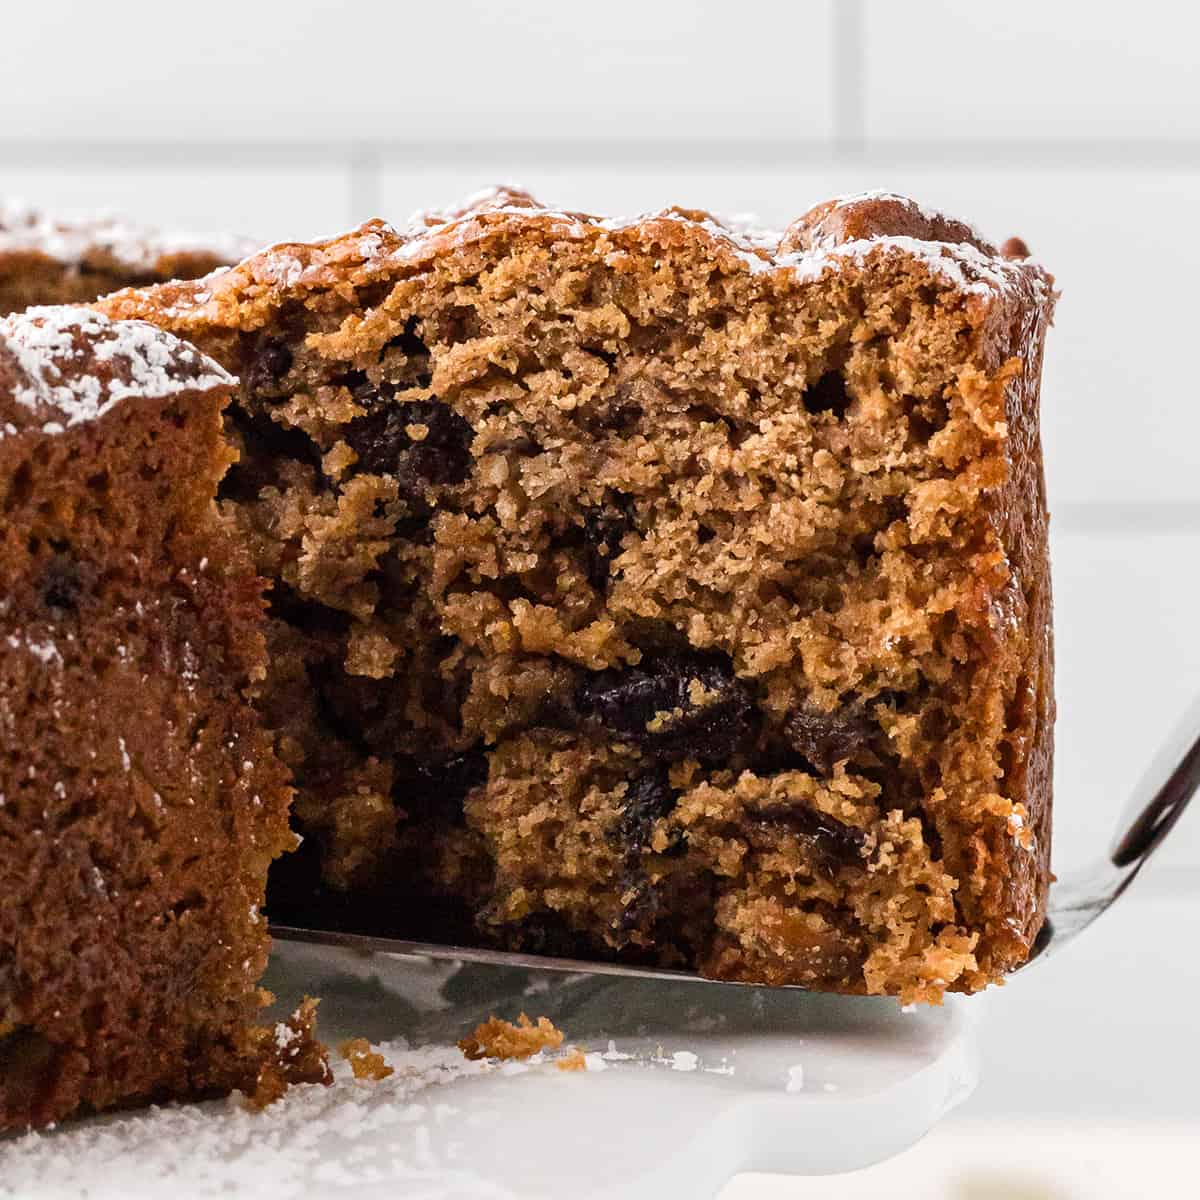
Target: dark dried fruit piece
[(603, 529), (827, 738), (648, 798), (269, 363), (673, 706), (384, 442), (833, 842)]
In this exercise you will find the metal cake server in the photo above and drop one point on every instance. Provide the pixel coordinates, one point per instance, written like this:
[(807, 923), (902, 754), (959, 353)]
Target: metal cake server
[(1075, 901)]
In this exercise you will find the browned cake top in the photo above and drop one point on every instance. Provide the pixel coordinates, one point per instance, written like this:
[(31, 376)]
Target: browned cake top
[(61, 366), (25, 231), (828, 238)]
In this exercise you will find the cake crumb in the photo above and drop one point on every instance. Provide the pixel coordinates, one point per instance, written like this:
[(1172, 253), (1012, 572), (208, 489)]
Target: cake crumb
[(497, 1038), (290, 1053), (364, 1062), (575, 1061), (269, 1086)]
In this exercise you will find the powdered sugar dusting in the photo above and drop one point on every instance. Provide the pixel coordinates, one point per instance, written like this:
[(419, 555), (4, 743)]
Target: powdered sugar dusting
[(71, 240), (73, 365), (960, 264), (328, 1136)]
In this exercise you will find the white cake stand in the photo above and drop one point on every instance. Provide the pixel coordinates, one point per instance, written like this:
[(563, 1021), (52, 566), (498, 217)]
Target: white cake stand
[(687, 1084)]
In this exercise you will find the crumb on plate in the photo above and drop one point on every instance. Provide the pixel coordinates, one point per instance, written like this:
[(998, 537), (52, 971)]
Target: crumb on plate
[(497, 1038), (574, 1061), (364, 1062)]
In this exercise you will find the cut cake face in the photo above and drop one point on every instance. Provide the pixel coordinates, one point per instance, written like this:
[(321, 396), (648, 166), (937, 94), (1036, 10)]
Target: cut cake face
[(656, 590)]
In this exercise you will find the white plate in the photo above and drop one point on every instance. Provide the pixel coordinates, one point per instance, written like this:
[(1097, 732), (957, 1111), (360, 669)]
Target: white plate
[(687, 1084)]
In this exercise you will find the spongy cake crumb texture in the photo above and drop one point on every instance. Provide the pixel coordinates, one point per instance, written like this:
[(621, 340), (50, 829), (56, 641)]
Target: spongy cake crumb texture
[(651, 590)]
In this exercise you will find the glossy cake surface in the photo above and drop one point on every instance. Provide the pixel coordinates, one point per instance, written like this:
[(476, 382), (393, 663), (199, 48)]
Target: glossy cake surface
[(140, 799)]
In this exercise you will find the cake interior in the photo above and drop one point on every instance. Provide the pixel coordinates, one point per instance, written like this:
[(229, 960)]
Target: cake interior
[(622, 606)]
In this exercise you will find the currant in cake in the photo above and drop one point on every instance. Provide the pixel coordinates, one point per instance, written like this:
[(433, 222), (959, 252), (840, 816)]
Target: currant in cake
[(655, 590), (46, 259), (140, 798)]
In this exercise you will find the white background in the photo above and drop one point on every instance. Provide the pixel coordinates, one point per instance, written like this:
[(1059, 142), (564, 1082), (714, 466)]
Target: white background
[(1075, 125)]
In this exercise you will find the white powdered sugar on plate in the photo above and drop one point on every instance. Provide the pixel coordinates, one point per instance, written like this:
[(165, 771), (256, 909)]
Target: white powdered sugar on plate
[(73, 365), (221, 1148)]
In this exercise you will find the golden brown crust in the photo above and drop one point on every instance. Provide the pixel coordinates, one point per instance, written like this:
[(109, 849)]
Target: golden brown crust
[(879, 215), (377, 250)]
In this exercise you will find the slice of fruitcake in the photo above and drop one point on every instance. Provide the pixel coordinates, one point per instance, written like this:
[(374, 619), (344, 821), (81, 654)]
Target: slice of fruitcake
[(653, 589)]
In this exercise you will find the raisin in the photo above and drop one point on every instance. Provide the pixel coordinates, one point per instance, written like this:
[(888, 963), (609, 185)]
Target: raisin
[(648, 798), (603, 529), (645, 906), (269, 363), (61, 584), (827, 738), (382, 442), (833, 842), (661, 692), (829, 395), (434, 789)]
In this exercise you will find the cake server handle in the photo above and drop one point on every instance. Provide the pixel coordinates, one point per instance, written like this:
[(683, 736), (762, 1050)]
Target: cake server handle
[(1163, 793)]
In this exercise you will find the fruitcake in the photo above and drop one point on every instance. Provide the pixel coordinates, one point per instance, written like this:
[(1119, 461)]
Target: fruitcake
[(140, 798), (658, 590), (46, 259)]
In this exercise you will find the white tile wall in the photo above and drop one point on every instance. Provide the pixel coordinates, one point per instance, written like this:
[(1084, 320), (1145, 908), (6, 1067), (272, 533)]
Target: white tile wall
[(1028, 69), (409, 72), (1128, 666)]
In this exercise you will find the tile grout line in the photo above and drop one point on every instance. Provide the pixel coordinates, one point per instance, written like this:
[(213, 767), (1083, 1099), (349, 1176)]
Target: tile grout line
[(1131, 517), (364, 190), (635, 154), (849, 79)]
